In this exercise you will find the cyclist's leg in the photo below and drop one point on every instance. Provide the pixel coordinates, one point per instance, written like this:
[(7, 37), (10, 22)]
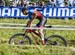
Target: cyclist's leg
[(42, 35), (43, 21), (41, 25)]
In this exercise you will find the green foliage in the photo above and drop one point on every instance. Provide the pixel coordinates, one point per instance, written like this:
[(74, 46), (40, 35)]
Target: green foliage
[(7, 2), (49, 21)]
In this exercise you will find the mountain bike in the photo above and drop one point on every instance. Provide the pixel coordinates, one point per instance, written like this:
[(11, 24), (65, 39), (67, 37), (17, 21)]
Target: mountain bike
[(25, 39)]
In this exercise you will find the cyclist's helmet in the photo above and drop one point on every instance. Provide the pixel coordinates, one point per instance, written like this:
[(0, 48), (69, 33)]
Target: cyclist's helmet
[(23, 9)]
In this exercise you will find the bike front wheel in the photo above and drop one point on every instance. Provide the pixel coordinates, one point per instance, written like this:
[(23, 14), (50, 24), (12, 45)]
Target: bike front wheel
[(19, 39), (56, 40)]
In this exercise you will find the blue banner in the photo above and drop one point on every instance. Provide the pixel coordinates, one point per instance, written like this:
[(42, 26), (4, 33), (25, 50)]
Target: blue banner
[(59, 12), (46, 11), (11, 12)]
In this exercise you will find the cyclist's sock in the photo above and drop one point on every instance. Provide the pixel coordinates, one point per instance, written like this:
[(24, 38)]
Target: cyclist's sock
[(43, 42)]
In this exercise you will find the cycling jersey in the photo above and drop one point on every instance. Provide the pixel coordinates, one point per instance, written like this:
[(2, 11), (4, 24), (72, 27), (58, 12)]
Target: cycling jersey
[(40, 17), (37, 13)]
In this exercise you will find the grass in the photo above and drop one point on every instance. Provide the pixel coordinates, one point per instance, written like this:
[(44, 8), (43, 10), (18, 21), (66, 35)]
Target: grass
[(49, 21), (33, 50), (5, 34)]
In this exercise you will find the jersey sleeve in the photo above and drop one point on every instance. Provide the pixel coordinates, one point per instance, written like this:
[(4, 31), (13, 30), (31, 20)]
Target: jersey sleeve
[(30, 13)]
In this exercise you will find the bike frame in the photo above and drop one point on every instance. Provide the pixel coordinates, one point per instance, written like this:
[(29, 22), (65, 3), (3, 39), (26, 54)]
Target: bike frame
[(31, 32)]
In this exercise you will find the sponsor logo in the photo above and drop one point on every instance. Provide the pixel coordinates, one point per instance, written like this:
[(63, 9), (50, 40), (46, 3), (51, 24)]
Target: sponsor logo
[(11, 12), (47, 12), (59, 12)]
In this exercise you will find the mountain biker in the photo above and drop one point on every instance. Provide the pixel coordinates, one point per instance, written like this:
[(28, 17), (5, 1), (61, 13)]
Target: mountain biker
[(36, 15)]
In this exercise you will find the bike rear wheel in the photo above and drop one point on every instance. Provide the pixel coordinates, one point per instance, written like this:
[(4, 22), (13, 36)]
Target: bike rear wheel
[(56, 40), (20, 39)]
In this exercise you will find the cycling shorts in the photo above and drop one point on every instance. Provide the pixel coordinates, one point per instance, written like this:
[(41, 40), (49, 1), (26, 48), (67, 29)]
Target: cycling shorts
[(42, 22)]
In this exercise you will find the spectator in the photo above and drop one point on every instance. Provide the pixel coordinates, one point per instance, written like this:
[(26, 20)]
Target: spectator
[(35, 4), (66, 3), (73, 3), (23, 3), (12, 3), (38, 2), (30, 4), (50, 3), (2, 3), (42, 3), (57, 3), (70, 2), (62, 3), (19, 4)]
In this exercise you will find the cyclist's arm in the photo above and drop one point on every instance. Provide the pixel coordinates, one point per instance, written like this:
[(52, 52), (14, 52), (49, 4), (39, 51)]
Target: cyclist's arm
[(30, 21)]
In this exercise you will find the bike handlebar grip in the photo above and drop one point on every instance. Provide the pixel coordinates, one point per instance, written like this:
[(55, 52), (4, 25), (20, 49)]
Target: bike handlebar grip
[(48, 26)]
